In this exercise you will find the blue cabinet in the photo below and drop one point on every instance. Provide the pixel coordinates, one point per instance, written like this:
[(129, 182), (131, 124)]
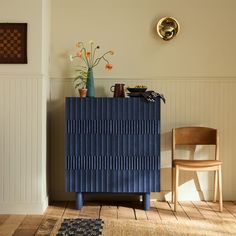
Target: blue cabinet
[(112, 146)]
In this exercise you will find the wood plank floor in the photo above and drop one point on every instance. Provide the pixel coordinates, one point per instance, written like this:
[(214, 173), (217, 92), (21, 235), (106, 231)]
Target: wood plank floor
[(47, 224)]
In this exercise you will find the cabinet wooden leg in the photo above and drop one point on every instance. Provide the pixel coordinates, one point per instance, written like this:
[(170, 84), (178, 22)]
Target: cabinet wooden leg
[(146, 201), (79, 200)]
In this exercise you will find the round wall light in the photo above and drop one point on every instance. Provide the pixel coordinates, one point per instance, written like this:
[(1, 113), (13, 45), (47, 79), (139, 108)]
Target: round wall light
[(167, 28)]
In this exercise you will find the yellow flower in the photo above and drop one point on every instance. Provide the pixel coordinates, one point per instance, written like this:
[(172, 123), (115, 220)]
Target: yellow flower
[(71, 57), (78, 44)]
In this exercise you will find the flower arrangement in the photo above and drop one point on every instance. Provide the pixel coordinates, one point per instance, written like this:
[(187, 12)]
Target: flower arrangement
[(89, 61)]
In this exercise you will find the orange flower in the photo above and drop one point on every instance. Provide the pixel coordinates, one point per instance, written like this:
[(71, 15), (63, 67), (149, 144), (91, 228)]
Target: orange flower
[(79, 54), (88, 54), (108, 66)]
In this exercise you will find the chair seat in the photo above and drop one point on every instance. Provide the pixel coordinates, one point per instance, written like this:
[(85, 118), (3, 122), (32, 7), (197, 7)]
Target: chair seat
[(196, 163)]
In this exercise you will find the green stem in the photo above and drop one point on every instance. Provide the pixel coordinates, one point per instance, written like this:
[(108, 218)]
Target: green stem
[(93, 56), (99, 58), (90, 59), (85, 55)]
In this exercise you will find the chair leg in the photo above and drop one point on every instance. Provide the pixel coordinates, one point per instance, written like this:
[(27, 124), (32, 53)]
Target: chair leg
[(176, 187), (173, 184), (220, 189), (215, 185)]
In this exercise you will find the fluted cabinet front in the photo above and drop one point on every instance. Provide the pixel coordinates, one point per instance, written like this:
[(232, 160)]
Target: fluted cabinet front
[(112, 146)]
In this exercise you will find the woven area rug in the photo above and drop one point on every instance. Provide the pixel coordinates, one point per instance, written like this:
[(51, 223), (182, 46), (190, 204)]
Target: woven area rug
[(88, 227), (151, 228)]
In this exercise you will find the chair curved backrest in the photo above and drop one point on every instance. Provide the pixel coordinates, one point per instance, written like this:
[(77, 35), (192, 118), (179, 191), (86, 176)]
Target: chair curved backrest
[(195, 136)]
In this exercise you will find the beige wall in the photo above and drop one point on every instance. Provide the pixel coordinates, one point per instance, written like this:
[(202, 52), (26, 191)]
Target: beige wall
[(23, 114), (205, 46), (196, 72)]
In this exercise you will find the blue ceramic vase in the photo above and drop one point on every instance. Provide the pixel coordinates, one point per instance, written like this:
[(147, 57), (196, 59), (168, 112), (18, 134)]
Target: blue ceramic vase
[(90, 83)]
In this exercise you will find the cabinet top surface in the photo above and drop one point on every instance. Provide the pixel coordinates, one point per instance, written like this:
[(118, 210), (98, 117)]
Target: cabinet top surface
[(104, 98)]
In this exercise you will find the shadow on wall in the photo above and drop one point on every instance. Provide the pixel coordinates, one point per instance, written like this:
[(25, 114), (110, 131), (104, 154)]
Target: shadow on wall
[(192, 185), (56, 151)]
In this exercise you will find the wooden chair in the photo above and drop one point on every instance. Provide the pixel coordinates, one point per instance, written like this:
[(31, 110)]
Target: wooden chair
[(196, 136)]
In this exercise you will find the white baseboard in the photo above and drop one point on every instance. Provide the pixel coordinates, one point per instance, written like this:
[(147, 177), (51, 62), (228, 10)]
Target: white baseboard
[(33, 208)]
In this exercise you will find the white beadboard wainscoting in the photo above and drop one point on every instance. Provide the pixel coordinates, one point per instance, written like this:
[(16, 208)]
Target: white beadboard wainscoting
[(22, 144), (200, 101)]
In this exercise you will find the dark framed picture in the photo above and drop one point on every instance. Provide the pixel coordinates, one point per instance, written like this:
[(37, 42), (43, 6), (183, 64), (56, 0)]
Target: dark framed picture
[(13, 43)]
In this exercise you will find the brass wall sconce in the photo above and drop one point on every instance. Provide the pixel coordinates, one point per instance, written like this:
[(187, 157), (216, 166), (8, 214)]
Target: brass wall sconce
[(167, 28)]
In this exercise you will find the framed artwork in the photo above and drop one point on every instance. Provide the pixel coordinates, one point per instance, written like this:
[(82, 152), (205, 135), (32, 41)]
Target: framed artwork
[(13, 43)]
